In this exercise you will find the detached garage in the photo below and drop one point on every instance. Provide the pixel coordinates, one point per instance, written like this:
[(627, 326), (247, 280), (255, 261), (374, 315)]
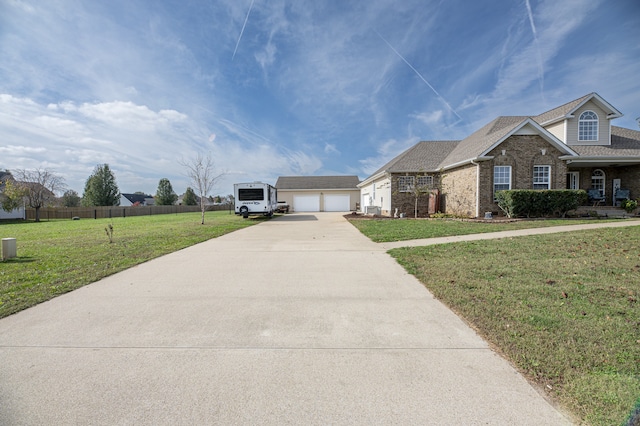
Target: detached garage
[(319, 193)]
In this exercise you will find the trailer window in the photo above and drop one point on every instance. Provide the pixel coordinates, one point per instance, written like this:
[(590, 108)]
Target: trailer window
[(251, 194)]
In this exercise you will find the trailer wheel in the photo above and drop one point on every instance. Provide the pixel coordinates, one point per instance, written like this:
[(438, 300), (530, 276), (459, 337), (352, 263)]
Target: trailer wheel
[(244, 211)]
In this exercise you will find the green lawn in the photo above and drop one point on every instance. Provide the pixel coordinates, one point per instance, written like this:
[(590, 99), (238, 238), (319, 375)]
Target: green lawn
[(386, 230), (59, 256), (564, 308)]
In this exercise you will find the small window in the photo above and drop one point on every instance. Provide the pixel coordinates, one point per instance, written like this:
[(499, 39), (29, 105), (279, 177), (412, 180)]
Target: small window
[(501, 179), (405, 183), (588, 126), (425, 181), (541, 177), (251, 194)]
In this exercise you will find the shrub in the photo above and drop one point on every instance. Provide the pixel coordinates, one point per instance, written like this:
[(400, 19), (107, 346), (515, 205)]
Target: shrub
[(539, 203), (629, 205)]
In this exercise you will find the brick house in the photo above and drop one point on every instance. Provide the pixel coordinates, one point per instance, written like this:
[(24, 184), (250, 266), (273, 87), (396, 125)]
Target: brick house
[(573, 146)]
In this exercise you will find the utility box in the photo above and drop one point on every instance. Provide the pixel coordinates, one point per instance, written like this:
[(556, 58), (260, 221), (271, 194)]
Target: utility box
[(9, 248)]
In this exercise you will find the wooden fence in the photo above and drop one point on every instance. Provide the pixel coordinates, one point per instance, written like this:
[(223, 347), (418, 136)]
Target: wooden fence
[(47, 213)]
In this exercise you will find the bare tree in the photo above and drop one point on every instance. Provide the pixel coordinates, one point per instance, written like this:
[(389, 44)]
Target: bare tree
[(201, 172), (38, 187)]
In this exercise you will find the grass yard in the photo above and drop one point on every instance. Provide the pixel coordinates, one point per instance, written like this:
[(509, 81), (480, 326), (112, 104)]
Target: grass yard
[(59, 256), (564, 308), (386, 230)]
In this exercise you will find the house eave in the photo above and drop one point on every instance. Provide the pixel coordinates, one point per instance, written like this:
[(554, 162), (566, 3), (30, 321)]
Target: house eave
[(542, 132), (373, 178), (596, 161), (468, 161), (613, 112)]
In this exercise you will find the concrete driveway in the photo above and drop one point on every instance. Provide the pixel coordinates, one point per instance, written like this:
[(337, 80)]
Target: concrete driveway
[(298, 320)]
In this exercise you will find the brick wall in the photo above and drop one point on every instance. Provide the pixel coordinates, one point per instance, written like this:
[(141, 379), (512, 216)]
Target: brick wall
[(521, 152), (459, 191), (405, 201)]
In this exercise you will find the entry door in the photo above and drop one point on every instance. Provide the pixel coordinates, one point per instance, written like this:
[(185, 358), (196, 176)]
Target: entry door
[(573, 180)]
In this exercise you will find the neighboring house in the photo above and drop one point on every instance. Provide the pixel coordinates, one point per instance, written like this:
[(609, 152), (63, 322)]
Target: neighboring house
[(319, 193), (127, 200), (208, 201), (573, 146), (18, 213)]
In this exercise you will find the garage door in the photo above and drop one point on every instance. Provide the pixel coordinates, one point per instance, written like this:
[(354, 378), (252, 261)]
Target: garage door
[(306, 203), (336, 203)]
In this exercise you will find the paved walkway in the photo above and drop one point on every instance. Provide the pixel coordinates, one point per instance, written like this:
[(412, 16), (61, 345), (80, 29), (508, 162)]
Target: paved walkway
[(509, 234), (298, 320)]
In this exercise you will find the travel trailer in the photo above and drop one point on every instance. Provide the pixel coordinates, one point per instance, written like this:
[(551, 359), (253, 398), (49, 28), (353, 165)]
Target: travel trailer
[(255, 198)]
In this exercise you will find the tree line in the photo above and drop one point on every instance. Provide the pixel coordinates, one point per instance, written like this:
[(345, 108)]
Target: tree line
[(37, 188)]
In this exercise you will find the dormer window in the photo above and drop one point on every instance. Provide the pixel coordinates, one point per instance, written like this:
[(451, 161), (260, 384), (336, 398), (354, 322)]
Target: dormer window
[(588, 126)]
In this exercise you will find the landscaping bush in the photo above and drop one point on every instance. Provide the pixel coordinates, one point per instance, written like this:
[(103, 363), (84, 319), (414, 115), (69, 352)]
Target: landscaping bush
[(539, 203), (629, 205)]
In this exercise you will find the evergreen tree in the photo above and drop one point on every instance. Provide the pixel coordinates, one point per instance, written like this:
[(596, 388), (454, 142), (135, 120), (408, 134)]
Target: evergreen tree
[(165, 195), (189, 198), (101, 188)]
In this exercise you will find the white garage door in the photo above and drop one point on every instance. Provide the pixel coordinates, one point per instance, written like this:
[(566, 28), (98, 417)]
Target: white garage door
[(306, 203), (336, 203)]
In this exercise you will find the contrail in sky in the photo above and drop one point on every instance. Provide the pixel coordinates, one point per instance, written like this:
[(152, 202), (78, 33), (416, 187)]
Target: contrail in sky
[(419, 75), (535, 39), (242, 30)]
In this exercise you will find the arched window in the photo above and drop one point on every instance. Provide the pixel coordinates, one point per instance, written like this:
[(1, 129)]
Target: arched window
[(597, 181), (588, 126)]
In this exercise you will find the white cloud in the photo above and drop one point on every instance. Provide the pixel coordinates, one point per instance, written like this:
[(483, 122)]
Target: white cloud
[(140, 144), (19, 150), (556, 21), (430, 118), (330, 149), (386, 151)]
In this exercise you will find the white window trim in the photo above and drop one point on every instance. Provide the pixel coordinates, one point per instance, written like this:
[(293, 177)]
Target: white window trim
[(405, 183), (427, 181), (547, 182), (494, 180), (581, 120)]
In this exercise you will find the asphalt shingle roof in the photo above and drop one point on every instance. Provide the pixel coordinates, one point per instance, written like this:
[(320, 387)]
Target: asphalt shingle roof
[(425, 156), (478, 142), (561, 111), (430, 156), (135, 198), (624, 143), (318, 182)]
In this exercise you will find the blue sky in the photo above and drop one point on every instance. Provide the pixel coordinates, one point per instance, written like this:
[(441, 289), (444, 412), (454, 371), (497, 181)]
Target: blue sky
[(284, 87)]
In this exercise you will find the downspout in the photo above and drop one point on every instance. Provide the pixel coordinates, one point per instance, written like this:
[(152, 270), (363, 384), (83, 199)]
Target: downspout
[(477, 187)]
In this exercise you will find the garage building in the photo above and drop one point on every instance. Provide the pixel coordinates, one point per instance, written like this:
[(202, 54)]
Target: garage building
[(319, 193)]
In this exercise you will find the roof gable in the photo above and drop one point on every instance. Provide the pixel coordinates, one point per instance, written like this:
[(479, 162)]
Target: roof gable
[(317, 182), (135, 198), (481, 142), (567, 110)]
